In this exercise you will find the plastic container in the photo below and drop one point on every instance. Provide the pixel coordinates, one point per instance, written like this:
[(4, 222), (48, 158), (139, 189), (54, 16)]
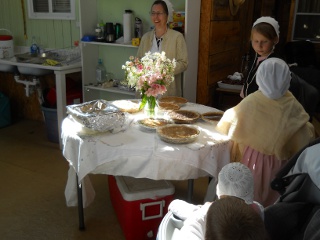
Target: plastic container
[(34, 48), (99, 35), (5, 112), (100, 72), (138, 28), (6, 45), (127, 26), (140, 204), (51, 121)]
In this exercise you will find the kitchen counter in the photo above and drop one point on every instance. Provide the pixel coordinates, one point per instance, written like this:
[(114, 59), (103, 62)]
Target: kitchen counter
[(60, 81)]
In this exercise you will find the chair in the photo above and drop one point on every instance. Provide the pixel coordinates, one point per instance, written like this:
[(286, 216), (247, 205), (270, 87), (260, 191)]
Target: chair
[(301, 52), (296, 214), (305, 93), (302, 57), (169, 227)]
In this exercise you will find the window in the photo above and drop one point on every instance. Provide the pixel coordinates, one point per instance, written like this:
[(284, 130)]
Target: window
[(307, 20), (51, 9)]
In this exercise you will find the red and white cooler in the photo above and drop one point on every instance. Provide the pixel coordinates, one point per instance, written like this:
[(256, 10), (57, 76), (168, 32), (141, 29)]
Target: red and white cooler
[(6, 44), (140, 204)]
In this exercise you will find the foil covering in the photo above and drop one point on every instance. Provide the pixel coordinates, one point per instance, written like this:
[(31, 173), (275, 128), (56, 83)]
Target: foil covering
[(99, 115)]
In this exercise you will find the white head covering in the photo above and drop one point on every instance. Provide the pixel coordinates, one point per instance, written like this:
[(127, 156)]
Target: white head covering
[(236, 179), (273, 77), (170, 10), (270, 21)]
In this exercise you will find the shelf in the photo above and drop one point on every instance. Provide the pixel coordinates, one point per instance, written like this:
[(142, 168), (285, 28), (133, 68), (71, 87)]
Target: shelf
[(111, 89), (110, 44)]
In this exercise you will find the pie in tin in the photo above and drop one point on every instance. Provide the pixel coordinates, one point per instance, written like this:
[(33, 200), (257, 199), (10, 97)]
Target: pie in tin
[(184, 116), (168, 106), (172, 99), (178, 134), (151, 124), (211, 116), (129, 106)]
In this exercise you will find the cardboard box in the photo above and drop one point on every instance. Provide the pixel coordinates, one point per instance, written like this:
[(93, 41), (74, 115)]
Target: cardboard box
[(135, 41), (176, 25), (140, 204), (178, 16)]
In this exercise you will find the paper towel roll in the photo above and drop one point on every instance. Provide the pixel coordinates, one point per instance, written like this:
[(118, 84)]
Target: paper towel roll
[(127, 26)]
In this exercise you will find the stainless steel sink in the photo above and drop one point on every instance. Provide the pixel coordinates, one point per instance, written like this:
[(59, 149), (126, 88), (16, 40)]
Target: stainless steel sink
[(34, 71), (7, 68), (33, 59)]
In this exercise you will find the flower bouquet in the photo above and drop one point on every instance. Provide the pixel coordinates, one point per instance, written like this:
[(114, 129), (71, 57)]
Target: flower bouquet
[(151, 75)]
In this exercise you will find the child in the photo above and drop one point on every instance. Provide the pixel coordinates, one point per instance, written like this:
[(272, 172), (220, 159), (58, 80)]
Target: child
[(267, 127), (234, 179), (230, 218), (264, 36)]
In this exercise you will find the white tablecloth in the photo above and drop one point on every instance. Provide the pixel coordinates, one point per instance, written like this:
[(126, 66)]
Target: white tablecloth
[(141, 154)]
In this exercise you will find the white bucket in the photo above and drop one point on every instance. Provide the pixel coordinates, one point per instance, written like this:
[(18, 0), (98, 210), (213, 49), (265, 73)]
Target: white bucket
[(6, 45)]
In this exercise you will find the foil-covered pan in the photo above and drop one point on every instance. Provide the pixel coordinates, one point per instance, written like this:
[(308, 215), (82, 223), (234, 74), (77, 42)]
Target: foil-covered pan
[(99, 115)]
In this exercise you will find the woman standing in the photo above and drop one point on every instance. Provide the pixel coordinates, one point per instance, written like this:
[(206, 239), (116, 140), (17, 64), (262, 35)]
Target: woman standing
[(267, 127), (172, 42), (264, 36)]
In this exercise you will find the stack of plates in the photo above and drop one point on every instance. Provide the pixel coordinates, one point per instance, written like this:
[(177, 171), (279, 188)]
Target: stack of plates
[(230, 86)]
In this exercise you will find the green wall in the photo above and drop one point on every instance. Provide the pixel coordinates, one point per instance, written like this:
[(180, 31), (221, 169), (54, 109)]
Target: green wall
[(48, 33), (112, 11), (62, 33)]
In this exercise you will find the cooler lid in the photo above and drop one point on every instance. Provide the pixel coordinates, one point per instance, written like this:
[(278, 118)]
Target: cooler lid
[(133, 189), (5, 37)]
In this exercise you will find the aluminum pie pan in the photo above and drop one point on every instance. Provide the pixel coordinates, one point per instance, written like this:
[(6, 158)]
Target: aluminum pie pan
[(178, 134), (151, 124), (184, 116), (99, 115), (130, 106), (168, 106), (211, 116), (173, 99)]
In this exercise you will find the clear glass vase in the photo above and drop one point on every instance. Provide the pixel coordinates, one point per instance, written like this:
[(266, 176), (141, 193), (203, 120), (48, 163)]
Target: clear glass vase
[(151, 107)]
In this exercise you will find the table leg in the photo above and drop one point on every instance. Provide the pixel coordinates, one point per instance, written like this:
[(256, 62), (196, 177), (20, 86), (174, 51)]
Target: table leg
[(190, 190), (80, 205), (60, 80)]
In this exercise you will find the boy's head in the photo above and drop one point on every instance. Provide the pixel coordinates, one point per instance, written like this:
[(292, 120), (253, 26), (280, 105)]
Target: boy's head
[(235, 179), (231, 218)]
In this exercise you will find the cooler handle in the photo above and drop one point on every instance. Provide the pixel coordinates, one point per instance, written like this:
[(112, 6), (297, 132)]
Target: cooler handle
[(144, 205), (6, 30)]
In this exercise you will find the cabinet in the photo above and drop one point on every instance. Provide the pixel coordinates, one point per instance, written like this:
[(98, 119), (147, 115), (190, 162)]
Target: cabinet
[(115, 55), (306, 24)]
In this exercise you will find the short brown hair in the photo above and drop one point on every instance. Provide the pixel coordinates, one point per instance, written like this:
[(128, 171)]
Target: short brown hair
[(231, 218)]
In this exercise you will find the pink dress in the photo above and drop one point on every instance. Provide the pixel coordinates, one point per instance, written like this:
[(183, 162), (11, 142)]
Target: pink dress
[(264, 168)]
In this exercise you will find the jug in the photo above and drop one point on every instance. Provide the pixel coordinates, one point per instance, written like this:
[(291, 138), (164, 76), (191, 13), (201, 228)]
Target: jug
[(138, 28), (110, 37)]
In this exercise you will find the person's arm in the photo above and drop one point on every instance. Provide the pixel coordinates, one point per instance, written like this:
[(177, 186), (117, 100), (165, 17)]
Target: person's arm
[(181, 55), (145, 45)]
